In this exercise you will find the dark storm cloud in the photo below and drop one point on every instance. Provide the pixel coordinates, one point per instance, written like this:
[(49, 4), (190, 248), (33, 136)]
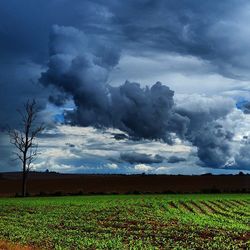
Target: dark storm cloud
[(24, 35), (190, 28), (205, 130), (185, 27), (133, 157), (135, 110), (29, 23), (58, 100), (214, 145), (85, 44), (246, 108), (80, 68), (7, 162), (18, 83), (120, 136), (70, 145), (175, 159), (242, 158)]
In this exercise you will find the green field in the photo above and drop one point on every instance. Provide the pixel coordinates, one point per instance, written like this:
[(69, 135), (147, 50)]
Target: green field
[(128, 221)]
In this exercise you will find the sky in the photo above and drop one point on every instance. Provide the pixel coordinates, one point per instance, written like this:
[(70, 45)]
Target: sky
[(136, 86)]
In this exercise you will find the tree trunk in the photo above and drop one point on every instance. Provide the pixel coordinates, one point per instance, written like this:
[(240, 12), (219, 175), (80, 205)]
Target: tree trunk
[(23, 140), (24, 180)]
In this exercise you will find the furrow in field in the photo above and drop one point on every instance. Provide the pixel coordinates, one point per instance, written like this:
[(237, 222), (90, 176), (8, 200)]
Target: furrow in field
[(228, 203), (172, 205), (240, 202), (198, 207), (242, 206), (219, 206), (210, 208), (227, 213), (240, 210), (186, 207), (230, 212), (235, 209)]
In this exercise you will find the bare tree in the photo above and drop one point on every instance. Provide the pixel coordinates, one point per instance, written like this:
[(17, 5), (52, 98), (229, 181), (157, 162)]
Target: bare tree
[(24, 139)]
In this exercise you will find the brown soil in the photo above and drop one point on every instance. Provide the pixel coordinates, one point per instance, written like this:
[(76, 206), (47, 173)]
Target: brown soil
[(54, 183), (5, 245)]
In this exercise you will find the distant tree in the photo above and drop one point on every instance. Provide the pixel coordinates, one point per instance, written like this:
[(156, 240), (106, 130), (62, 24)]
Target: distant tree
[(241, 173), (24, 139)]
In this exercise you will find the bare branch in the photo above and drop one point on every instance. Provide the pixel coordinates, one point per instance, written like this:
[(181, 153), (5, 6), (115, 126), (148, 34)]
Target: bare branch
[(23, 141)]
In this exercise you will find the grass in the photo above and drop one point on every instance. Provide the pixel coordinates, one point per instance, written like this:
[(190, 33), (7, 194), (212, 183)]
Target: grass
[(128, 222)]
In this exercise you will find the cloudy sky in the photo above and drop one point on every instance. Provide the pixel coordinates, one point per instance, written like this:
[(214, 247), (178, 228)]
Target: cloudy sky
[(154, 86)]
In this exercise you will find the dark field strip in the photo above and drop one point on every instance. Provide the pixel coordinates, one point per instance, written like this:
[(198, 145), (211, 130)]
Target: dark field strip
[(219, 206), (186, 207), (209, 207), (173, 205), (240, 202), (230, 204), (236, 209), (198, 207), (213, 207), (127, 222)]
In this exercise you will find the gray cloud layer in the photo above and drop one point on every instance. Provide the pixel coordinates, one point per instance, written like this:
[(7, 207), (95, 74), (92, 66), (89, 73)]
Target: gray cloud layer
[(85, 45), (206, 130), (80, 68), (175, 159), (134, 157), (246, 108)]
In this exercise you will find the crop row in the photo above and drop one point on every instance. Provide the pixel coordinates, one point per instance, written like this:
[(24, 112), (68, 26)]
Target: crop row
[(128, 222)]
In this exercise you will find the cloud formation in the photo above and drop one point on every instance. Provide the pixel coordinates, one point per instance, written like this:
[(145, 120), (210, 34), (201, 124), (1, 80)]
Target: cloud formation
[(175, 159), (143, 168), (205, 130), (80, 69), (133, 157), (246, 108), (89, 40), (189, 28)]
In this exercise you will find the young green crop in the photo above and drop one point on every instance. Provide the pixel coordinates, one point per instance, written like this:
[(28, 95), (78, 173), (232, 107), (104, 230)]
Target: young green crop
[(128, 221)]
